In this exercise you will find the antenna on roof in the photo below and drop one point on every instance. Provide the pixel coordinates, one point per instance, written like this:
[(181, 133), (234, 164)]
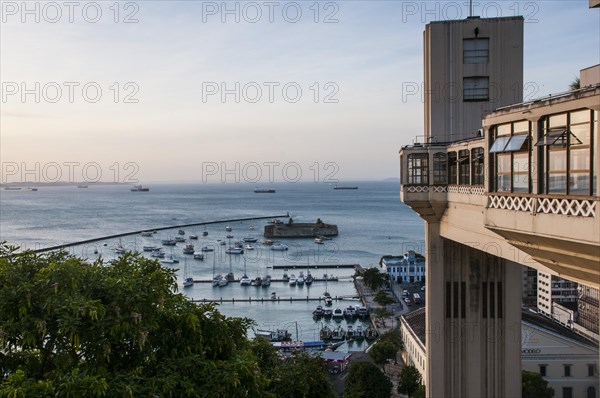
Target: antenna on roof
[(470, 8)]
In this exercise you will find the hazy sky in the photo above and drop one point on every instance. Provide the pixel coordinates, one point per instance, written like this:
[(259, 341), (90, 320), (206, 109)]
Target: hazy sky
[(283, 90)]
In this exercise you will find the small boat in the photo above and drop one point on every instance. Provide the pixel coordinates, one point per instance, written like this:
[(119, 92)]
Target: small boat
[(300, 279), (188, 249), (245, 281), (279, 247), (267, 242), (309, 279), (215, 280), (180, 239), (230, 277), (32, 189), (198, 256), (319, 241), (82, 186), (169, 260), (327, 312), (328, 301), (234, 250), (223, 281), (205, 233), (338, 333), (285, 275), (95, 251), (257, 190), (188, 282), (256, 281), (266, 282), (318, 312), (358, 333), (169, 242), (228, 228), (149, 248), (350, 312), (158, 254), (139, 188), (249, 247), (120, 249), (338, 313), (251, 227), (250, 239), (181, 232), (229, 236), (325, 333), (292, 280), (222, 243), (146, 233), (207, 249), (344, 187), (350, 332), (362, 312), (194, 237), (322, 237), (273, 296)]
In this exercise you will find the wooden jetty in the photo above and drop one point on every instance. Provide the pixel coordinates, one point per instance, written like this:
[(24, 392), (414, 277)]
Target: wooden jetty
[(270, 299), (314, 266)]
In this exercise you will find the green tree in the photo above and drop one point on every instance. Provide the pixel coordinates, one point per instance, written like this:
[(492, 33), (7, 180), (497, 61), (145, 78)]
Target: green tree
[(420, 393), (383, 299), (575, 84), (365, 380), (534, 386), (301, 376), (382, 351), (373, 279), (409, 380), (69, 329)]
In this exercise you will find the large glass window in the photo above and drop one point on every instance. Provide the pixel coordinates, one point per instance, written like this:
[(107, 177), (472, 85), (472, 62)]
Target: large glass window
[(418, 169), (511, 154), (452, 168), (464, 167), (567, 146), (476, 88), (440, 169), (477, 166), (476, 51)]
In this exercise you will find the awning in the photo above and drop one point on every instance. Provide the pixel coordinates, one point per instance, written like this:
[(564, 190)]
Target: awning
[(512, 143), (557, 137)]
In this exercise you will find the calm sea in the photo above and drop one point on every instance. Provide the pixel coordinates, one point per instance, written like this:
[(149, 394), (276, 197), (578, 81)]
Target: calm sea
[(371, 220)]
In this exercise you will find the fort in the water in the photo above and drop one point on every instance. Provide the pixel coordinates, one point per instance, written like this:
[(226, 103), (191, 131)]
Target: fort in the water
[(291, 229)]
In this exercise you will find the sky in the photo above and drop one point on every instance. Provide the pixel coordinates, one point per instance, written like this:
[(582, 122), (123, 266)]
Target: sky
[(192, 91)]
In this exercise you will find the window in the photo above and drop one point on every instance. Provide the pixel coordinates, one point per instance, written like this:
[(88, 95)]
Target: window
[(567, 148), (543, 370), (477, 166), (452, 168), (511, 156), (567, 370), (440, 169), (476, 88), (418, 169), (464, 167), (476, 51), (591, 370), (567, 392)]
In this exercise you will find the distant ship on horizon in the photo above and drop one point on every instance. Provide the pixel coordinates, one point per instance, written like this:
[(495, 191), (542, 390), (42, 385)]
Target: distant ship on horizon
[(139, 188), (258, 190), (344, 187)]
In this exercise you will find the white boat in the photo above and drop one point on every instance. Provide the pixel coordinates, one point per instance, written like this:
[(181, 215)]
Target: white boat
[(249, 247), (267, 242), (328, 301), (146, 233), (245, 281), (158, 253), (198, 256), (338, 333), (169, 242), (358, 333), (188, 281), (300, 279), (251, 227), (279, 247), (350, 332), (338, 313), (207, 249), (188, 249), (319, 241), (234, 250), (292, 281), (223, 281), (194, 237), (149, 248), (228, 228), (120, 249), (169, 260), (179, 239), (249, 239), (350, 312)]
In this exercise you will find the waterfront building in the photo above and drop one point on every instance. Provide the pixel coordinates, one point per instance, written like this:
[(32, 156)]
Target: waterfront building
[(520, 190), (409, 268), (567, 361)]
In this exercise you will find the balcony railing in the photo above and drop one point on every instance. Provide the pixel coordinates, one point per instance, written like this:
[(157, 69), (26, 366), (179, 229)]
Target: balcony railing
[(535, 204)]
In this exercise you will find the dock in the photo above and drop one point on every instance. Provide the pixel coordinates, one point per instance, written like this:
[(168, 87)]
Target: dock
[(275, 300), (332, 279), (314, 266)]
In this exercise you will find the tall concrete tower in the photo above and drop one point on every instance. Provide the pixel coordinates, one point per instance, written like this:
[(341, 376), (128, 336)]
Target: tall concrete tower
[(472, 66)]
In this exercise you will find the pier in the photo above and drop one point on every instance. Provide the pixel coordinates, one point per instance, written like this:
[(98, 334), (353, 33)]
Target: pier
[(82, 242), (315, 266), (332, 279), (275, 300)]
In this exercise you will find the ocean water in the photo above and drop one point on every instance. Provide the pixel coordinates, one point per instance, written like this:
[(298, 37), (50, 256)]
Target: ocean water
[(371, 220)]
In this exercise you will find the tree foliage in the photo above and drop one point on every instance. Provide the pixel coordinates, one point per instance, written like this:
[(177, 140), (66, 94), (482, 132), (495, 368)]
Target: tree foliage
[(534, 386), (69, 329), (383, 299), (386, 347), (373, 279), (365, 380), (409, 380), (575, 84), (301, 376)]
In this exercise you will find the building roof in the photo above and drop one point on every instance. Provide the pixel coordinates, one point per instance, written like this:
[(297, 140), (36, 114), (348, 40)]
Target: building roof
[(416, 321), (545, 323), (335, 356)]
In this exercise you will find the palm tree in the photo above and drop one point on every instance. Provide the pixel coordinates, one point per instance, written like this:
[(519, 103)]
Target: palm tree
[(575, 84)]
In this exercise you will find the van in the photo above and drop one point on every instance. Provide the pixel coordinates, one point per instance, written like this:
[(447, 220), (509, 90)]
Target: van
[(417, 298)]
